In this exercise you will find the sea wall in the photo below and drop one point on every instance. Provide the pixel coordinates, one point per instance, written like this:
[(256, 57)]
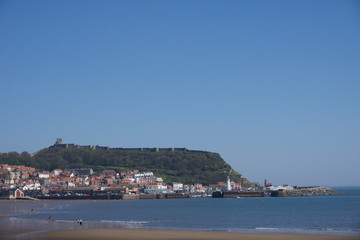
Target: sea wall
[(118, 197), (237, 194), (130, 196), (147, 196), (305, 191), (176, 195)]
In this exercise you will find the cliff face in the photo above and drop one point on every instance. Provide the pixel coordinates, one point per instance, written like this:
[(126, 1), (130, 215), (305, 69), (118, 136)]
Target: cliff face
[(173, 164)]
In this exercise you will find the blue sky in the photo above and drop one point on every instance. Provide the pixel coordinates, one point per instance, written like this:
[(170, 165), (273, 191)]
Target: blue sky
[(273, 86)]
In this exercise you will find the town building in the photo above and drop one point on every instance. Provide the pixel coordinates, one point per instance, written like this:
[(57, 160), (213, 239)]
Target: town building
[(177, 186)]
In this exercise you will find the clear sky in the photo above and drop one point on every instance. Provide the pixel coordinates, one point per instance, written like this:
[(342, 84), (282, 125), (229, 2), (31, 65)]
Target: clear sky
[(273, 86)]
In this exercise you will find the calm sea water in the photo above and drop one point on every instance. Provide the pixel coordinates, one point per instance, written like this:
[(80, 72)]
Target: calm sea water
[(335, 215)]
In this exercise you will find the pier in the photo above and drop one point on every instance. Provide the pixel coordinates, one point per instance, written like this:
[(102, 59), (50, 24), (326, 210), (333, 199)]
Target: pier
[(304, 191)]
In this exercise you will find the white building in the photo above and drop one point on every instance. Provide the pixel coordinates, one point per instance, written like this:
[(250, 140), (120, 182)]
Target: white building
[(178, 186), (143, 174), (32, 186), (276, 188), (144, 177), (159, 179), (44, 175), (56, 172)]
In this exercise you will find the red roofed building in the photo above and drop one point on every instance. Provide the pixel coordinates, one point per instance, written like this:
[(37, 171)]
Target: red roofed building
[(109, 173)]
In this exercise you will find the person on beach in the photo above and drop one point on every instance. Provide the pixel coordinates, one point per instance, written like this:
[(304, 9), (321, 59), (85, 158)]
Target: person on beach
[(49, 218)]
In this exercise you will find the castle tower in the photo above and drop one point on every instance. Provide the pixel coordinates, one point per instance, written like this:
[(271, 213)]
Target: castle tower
[(58, 141)]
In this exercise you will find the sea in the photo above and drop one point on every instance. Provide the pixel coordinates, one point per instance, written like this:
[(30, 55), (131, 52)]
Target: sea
[(329, 215)]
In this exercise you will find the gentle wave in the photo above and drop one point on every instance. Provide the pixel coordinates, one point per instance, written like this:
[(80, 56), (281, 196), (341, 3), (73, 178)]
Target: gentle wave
[(126, 222), (65, 221), (330, 231), (267, 229)]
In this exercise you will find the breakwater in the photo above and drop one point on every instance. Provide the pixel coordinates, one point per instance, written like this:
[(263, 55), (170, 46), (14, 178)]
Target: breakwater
[(237, 194), (304, 191)]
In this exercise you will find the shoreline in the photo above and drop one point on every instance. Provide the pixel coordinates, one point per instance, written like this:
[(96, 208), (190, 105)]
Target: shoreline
[(12, 227)]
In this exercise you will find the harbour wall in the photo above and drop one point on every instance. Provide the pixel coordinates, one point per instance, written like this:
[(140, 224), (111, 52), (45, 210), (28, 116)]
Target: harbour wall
[(118, 197), (305, 191), (236, 194)]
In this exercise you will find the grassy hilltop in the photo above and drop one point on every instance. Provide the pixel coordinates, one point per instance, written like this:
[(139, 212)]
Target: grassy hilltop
[(174, 165)]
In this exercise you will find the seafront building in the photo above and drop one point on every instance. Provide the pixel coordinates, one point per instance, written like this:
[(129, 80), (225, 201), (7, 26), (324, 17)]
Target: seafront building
[(83, 181), (20, 181)]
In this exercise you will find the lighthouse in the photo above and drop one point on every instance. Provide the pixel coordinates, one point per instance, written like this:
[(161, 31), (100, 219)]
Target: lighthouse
[(228, 184)]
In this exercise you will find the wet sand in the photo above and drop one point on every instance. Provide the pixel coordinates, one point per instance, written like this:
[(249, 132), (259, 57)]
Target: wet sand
[(13, 228), (148, 234)]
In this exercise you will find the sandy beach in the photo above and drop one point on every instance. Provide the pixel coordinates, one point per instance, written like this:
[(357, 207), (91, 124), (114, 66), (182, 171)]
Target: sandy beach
[(190, 235), (13, 228)]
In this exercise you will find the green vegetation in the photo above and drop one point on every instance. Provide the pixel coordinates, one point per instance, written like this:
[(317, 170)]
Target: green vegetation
[(174, 166)]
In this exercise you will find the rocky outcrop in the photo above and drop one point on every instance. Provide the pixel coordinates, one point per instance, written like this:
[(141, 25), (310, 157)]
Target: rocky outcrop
[(304, 191)]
